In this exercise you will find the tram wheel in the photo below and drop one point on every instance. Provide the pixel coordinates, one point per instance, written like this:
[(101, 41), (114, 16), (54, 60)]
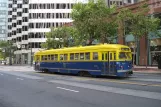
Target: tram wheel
[(84, 73)]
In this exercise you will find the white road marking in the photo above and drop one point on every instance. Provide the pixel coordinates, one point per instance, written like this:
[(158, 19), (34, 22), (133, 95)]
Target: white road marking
[(67, 89), (1, 74), (19, 78), (124, 91)]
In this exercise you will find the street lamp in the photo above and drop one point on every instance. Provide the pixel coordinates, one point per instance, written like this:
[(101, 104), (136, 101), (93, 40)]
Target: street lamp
[(19, 46), (30, 46)]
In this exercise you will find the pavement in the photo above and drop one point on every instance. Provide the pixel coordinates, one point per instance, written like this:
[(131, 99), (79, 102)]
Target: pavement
[(22, 87)]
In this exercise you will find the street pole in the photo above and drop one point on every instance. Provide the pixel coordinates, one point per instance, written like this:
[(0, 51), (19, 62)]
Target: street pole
[(31, 54)]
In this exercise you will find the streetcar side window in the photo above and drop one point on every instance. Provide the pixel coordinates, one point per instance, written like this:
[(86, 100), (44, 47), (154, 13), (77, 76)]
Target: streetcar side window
[(42, 57), (65, 57), (81, 56), (56, 57), (111, 56), (48, 57), (72, 56), (45, 57), (61, 57), (52, 57), (95, 55), (114, 56), (76, 56), (87, 56)]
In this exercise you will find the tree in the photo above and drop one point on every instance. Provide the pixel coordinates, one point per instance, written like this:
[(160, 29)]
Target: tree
[(62, 37), (6, 49), (124, 17), (94, 20)]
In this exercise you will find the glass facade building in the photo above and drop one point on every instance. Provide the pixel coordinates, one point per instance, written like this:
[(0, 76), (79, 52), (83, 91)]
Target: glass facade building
[(3, 19)]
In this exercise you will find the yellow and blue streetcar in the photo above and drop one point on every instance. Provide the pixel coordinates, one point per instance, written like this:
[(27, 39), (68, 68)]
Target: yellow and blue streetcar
[(96, 60)]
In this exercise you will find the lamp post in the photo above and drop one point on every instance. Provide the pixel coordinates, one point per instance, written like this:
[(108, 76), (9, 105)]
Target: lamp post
[(19, 46), (31, 53)]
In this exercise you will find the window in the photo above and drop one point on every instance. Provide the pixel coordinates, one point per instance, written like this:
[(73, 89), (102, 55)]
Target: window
[(25, 19), (111, 56), (95, 55), (14, 10), (10, 5), (19, 5), (56, 57), (25, 10), (9, 12), (104, 56), (114, 56), (76, 56), (72, 56), (81, 56), (122, 55), (52, 57), (45, 57), (42, 57), (14, 17), (25, 1), (48, 57), (87, 56), (19, 14), (61, 57), (65, 57)]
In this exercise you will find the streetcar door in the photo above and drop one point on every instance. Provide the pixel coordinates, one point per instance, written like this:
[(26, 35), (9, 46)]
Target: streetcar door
[(112, 63), (105, 59)]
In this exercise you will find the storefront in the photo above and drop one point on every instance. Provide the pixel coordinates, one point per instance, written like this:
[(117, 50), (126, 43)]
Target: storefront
[(155, 51)]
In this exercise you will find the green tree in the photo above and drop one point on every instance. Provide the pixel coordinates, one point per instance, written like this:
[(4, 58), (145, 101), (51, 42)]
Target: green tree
[(62, 37), (94, 20), (124, 18), (6, 49)]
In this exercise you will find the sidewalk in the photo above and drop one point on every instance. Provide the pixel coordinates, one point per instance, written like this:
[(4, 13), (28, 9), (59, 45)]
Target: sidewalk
[(148, 69)]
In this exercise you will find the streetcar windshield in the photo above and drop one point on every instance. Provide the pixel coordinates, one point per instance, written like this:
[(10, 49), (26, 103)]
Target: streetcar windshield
[(122, 55)]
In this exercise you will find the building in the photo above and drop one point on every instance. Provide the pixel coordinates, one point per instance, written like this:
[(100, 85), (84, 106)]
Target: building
[(147, 49), (3, 19), (29, 20), (121, 2)]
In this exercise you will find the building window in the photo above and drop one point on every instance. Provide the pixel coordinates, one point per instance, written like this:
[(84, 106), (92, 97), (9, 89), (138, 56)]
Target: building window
[(25, 10), (19, 5), (25, 28), (25, 1), (19, 14), (25, 19), (9, 5), (19, 22), (10, 13), (14, 17)]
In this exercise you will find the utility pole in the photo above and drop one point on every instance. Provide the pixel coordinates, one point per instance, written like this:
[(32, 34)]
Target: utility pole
[(31, 54)]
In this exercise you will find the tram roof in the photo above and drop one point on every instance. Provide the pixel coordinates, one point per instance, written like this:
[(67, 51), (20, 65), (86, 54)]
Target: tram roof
[(110, 46)]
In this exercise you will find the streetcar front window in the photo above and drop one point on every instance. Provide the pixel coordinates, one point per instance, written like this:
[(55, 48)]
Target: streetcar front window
[(122, 55)]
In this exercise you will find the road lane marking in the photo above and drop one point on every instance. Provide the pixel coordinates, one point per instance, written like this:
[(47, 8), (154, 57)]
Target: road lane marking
[(1, 74), (67, 89), (124, 91), (19, 78)]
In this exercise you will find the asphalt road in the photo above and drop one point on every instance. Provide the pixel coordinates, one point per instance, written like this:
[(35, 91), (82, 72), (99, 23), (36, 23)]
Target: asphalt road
[(20, 89)]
